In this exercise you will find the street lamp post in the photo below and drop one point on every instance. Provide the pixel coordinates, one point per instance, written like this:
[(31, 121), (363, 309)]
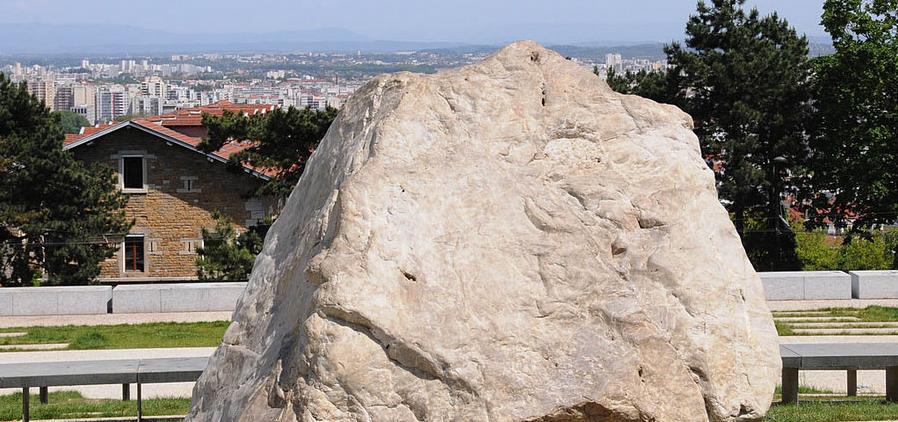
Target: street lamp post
[(776, 163)]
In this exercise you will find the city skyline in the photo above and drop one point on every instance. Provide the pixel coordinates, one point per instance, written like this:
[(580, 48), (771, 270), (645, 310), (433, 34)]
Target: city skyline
[(461, 21)]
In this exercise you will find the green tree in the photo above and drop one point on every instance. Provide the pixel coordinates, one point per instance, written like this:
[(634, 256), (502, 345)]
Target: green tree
[(55, 212), (227, 255), (70, 122), (659, 85), (284, 141), (867, 250), (855, 143), (815, 251), (744, 79)]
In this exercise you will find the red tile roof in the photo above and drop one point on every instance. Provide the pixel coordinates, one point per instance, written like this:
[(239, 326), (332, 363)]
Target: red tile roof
[(194, 116), (87, 131), (188, 117)]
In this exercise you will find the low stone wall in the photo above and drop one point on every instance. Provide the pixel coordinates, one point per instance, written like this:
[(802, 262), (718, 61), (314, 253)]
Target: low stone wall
[(806, 285), (181, 297), (874, 284), (68, 300)]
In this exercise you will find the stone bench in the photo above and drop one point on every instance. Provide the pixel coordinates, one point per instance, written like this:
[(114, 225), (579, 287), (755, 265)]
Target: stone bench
[(874, 284), (68, 300), (806, 285), (180, 297), (140, 371), (839, 356)]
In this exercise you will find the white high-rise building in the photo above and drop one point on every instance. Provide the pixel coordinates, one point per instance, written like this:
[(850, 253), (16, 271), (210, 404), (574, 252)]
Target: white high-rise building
[(85, 94), (614, 60), (154, 86), (87, 111), (44, 91), (111, 104)]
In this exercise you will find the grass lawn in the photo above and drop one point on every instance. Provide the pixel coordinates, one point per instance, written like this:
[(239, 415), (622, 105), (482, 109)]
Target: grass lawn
[(870, 314), (837, 409), (71, 404), (125, 336)]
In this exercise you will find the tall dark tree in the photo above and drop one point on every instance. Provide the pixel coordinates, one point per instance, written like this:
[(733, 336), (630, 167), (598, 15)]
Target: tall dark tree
[(659, 85), (856, 138), (70, 122), (284, 141), (55, 213), (744, 79)]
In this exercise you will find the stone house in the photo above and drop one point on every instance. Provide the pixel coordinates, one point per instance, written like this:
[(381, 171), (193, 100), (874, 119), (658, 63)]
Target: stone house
[(173, 188)]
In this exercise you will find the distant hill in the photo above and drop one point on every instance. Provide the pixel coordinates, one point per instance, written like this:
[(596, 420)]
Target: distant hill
[(640, 51), (116, 40), (44, 39)]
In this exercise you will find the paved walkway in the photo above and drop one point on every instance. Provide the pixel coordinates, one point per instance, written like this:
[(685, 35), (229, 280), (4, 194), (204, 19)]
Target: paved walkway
[(799, 305), (112, 319), (868, 381), (183, 389)]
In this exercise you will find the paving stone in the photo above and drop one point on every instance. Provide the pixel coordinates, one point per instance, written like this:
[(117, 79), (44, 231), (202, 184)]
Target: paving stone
[(834, 319), (46, 346), (845, 324), (854, 331)]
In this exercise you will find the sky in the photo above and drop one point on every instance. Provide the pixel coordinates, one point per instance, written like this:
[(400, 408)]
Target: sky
[(469, 21)]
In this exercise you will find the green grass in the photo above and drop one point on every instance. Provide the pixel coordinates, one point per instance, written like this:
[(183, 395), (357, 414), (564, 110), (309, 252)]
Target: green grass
[(868, 314), (125, 336), (783, 329), (72, 405), (821, 410), (802, 390)]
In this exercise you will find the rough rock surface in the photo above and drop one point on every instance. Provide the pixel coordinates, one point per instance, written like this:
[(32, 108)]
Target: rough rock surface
[(510, 241)]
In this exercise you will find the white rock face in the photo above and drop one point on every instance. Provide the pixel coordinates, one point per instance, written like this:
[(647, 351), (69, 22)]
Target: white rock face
[(510, 241)]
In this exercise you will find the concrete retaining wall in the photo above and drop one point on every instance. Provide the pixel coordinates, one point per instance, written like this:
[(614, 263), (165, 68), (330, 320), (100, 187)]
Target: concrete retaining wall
[(182, 297), (874, 284), (68, 300), (806, 285)]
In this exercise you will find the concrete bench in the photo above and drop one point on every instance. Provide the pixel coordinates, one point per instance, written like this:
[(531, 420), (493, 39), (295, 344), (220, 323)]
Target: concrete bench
[(874, 284), (68, 300), (806, 285), (125, 372), (839, 356), (178, 297)]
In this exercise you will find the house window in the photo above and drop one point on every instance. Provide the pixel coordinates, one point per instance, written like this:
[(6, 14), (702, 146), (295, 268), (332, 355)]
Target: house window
[(132, 173), (189, 185), (133, 249), (190, 246)]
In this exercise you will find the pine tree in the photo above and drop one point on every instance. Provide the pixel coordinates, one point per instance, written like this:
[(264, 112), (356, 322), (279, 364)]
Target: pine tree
[(56, 214), (744, 79), (856, 96), (659, 85), (285, 140)]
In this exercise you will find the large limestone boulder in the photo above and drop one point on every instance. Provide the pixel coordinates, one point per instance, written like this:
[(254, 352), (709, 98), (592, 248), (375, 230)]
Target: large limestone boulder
[(510, 241)]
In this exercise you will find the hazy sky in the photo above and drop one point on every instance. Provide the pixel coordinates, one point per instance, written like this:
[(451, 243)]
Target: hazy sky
[(406, 20)]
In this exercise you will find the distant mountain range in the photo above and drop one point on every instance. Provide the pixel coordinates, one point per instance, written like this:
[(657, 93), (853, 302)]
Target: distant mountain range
[(44, 39), (117, 40)]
